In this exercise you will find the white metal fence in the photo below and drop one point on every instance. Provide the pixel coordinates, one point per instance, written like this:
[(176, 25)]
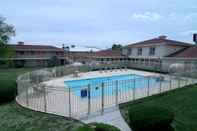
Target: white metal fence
[(99, 98)]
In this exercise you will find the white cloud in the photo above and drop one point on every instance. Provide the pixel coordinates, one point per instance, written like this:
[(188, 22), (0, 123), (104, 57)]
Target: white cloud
[(96, 21), (147, 16), (191, 17), (188, 32)]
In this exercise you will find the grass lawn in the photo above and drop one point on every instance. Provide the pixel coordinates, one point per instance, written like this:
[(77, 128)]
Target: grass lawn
[(182, 101), (11, 74), (16, 118)]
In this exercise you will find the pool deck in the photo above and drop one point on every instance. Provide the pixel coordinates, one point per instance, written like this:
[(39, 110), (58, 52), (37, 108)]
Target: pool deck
[(94, 74)]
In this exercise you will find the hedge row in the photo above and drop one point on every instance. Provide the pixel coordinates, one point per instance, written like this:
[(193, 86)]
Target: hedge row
[(7, 91), (150, 118), (98, 127)]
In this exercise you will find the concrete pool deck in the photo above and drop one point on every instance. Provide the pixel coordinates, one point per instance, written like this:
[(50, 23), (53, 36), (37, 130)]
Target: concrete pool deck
[(94, 74)]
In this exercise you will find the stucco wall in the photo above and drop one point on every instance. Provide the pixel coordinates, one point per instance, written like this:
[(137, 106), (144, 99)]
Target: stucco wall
[(160, 51)]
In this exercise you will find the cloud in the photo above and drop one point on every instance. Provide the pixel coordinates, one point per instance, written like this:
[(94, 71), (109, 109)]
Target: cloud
[(147, 16), (188, 32), (191, 17), (91, 22)]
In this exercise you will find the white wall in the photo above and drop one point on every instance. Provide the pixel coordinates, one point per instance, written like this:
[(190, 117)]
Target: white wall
[(172, 49), (160, 51)]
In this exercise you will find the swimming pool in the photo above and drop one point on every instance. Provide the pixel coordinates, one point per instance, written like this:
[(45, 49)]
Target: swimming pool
[(111, 84)]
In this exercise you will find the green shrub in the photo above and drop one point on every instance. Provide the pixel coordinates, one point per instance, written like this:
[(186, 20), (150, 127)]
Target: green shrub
[(104, 127), (19, 64), (53, 61), (7, 90), (97, 127), (150, 118), (85, 128)]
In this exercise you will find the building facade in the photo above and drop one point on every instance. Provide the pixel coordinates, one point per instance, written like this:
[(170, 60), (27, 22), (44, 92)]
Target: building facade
[(154, 48), (34, 55), (81, 54), (156, 54)]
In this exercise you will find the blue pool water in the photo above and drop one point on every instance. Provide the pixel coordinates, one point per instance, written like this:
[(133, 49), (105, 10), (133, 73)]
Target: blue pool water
[(125, 83)]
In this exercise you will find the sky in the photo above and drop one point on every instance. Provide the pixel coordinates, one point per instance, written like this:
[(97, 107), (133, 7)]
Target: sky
[(99, 23)]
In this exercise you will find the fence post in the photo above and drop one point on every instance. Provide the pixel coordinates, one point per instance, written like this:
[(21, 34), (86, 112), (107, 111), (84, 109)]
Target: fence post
[(117, 93), (37, 79), (102, 98), (179, 84), (27, 95), (45, 99), (89, 102), (28, 76), (170, 83), (54, 69), (148, 91), (160, 85), (134, 89), (186, 81), (69, 102)]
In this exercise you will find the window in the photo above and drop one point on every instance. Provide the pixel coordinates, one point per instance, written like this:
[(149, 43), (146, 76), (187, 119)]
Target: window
[(22, 52), (129, 51), (32, 52), (139, 51), (152, 51)]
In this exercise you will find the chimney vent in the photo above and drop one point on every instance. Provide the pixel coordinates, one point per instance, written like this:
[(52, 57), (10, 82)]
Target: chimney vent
[(162, 37), (20, 43)]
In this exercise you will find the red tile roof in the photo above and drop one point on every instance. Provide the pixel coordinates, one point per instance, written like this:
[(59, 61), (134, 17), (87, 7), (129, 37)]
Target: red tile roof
[(34, 48), (190, 52), (108, 53), (159, 41)]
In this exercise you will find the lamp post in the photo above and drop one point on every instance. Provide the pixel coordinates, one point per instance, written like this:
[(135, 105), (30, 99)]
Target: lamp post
[(66, 51)]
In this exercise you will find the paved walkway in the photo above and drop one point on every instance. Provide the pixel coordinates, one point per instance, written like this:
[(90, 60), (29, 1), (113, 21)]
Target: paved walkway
[(113, 118)]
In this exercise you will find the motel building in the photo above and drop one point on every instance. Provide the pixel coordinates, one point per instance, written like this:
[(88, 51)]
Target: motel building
[(159, 52), (108, 59), (82, 54), (29, 55), (105, 56), (149, 55)]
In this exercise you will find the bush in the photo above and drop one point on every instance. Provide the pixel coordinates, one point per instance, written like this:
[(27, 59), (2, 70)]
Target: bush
[(7, 91), (53, 61), (97, 127), (85, 128), (19, 64), (104, 127), (150, 118)]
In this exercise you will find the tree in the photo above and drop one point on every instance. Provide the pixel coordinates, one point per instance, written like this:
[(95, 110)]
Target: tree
[(117, 47), (6, 31)]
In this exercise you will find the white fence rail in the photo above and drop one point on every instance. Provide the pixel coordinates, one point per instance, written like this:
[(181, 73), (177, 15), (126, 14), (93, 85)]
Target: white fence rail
[(98, 98)]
